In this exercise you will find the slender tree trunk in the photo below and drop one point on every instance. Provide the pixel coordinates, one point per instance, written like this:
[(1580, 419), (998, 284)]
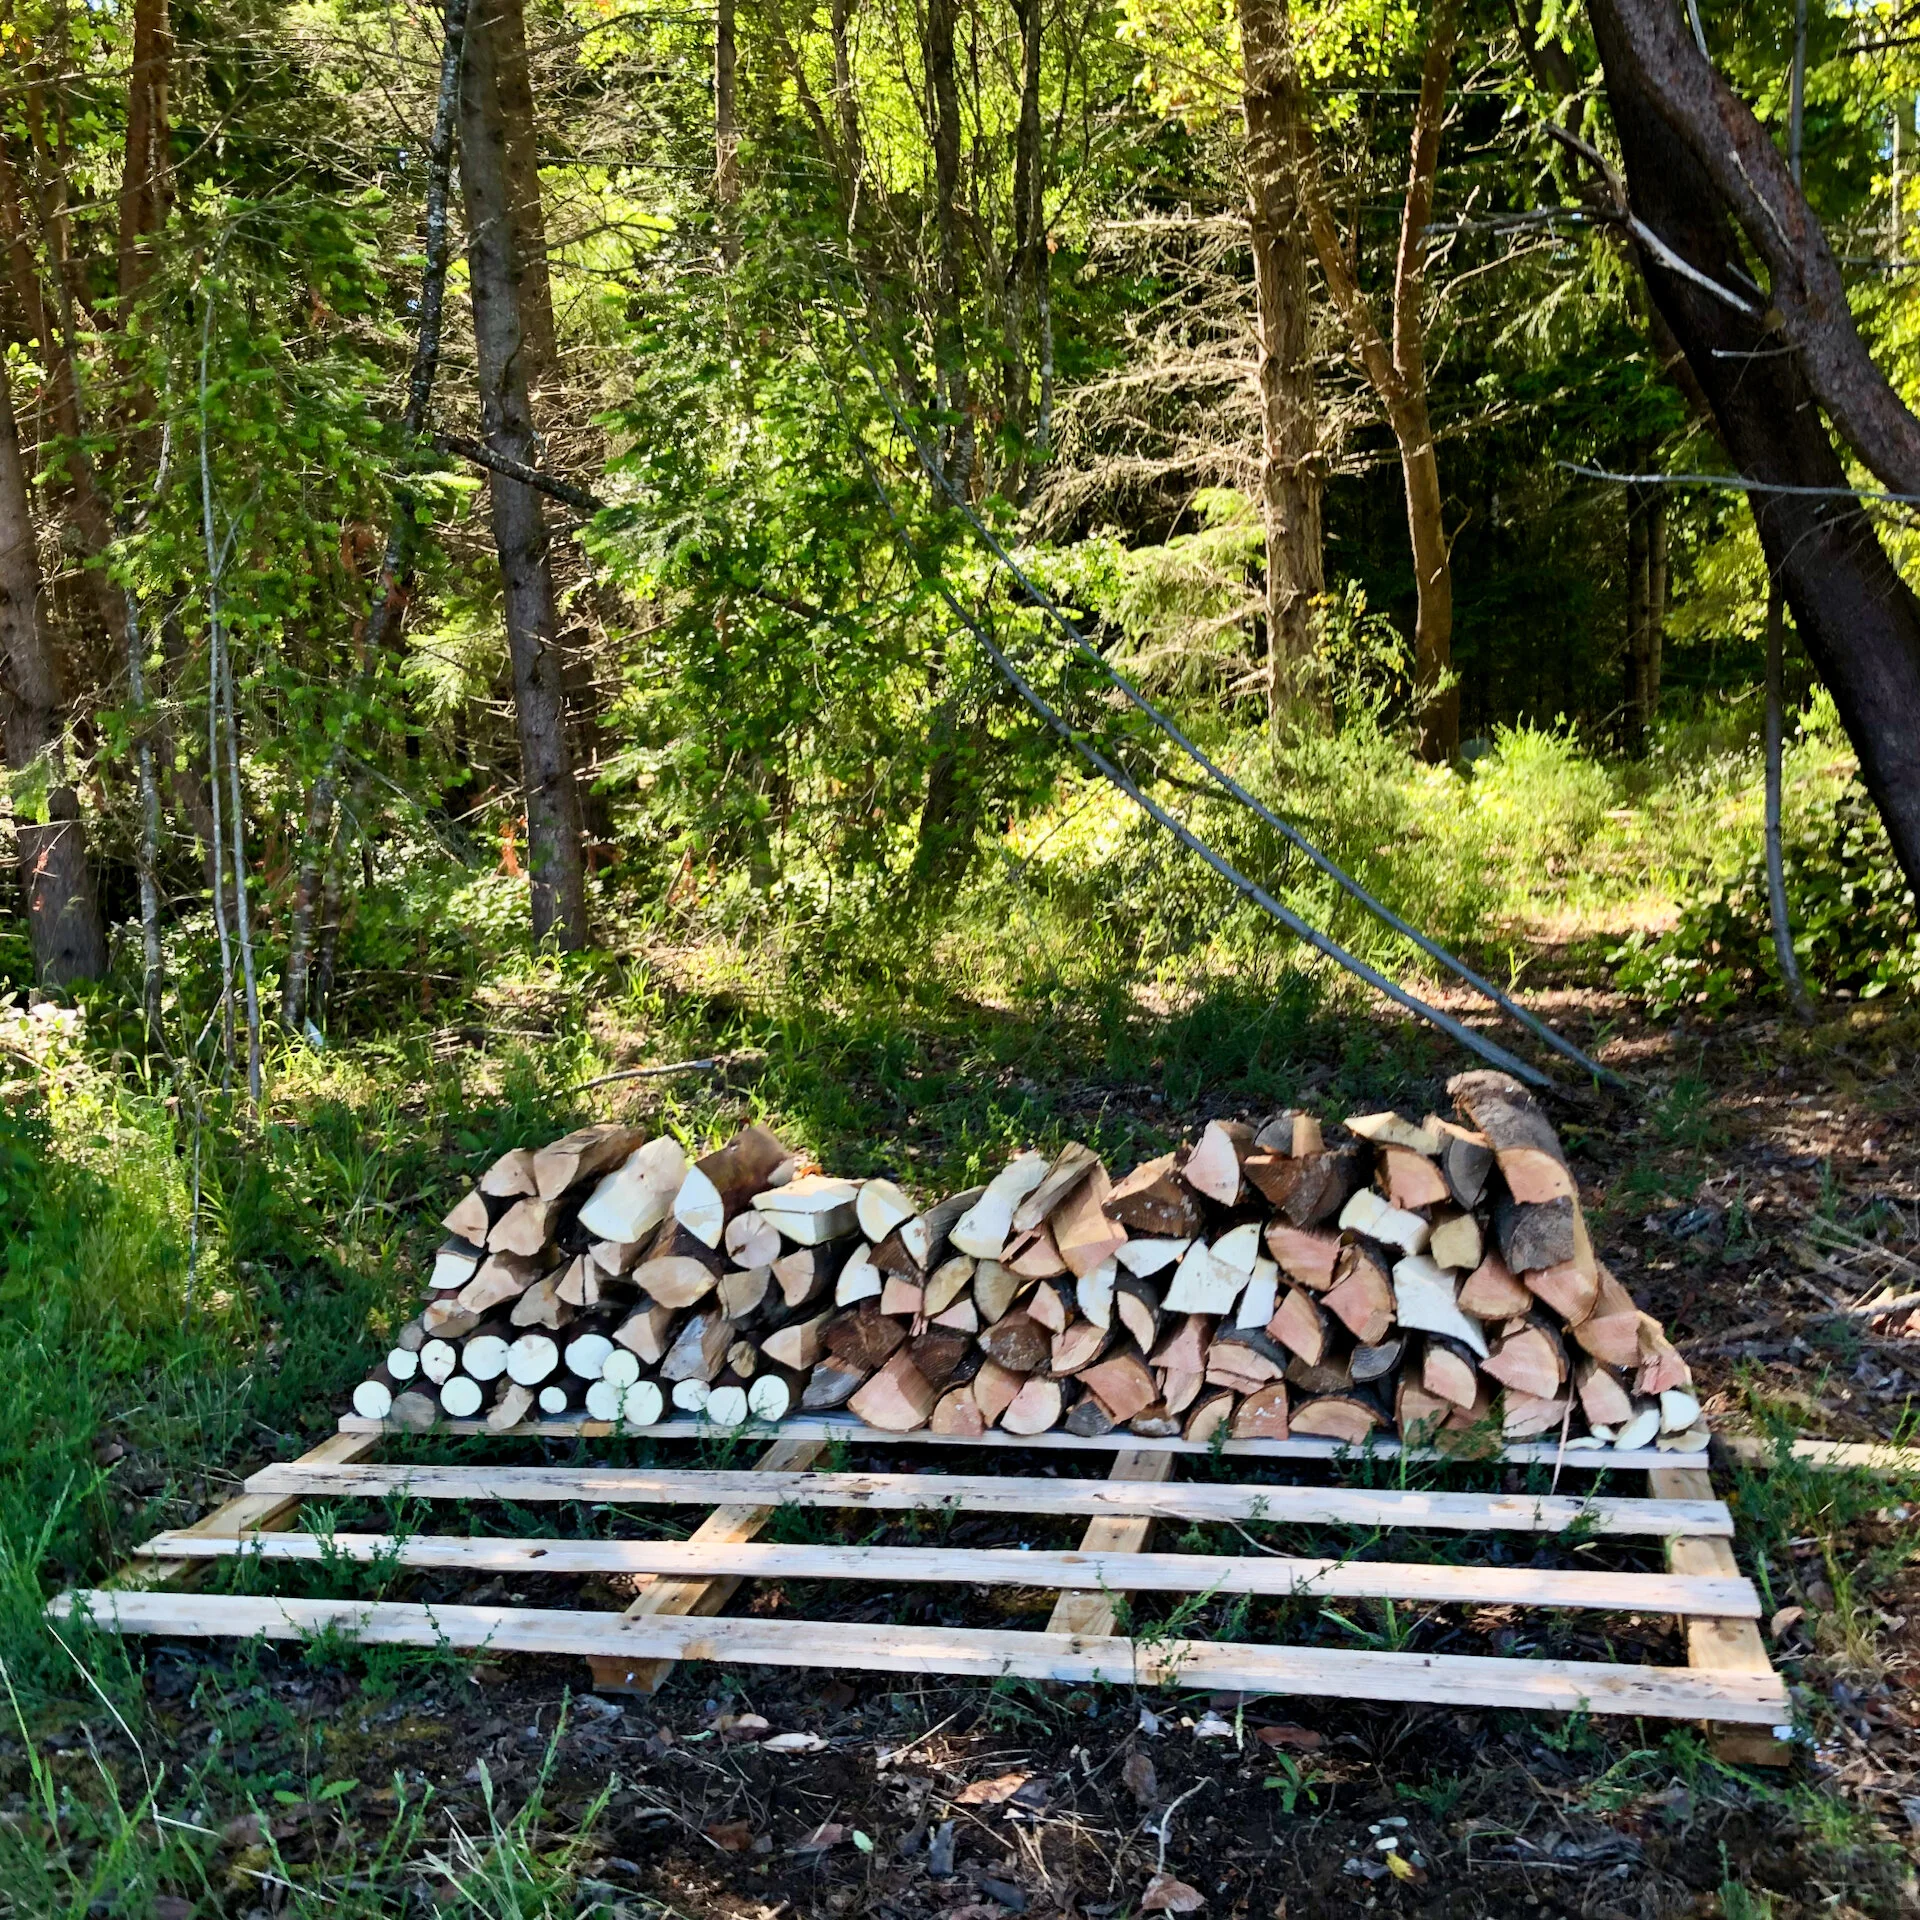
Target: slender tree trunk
[(1290, 471), (555, 860), (726, 129), (943, 120), (1857, 618), (1776, 861), (146, 167), (1639, 630), (63, 910), (1656, 599)]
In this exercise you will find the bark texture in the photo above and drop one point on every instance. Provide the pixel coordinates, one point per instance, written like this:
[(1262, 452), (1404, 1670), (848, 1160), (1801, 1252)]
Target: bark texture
[(1857, 618), (943, 120), (555, 855)]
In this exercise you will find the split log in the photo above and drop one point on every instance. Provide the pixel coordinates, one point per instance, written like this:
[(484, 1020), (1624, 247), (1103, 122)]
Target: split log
[(743, 1359), (512, 1405), (1293, 1132), (810, 1210), (917, 1246), (1151, 1200), (1313, 1189), (1411, 1180), (1052, 1304), (646, 1333), (1362, 1294), (1533, 1236), (1087, 1419), (1213, 1167), (1069, 1167), (447, 1319), (542, 1305), (1604, 1398), (1449, 1369), (994, 1387), (1238, 1247), (1146, 1256), (1490, 1292), (510, 1176), (1641, 1430), (1017, 1342), (863, 1338), (1184, 1349), (724, 1182), (943, 1356), (501, 1277), (963, 1316), (948, 1282), (995, 1289), (1332, 1373), (1661, 1366), (1394, 1130), (580, 1155), (1213, 1415), (897, 1399), (577, 1284), (957, 1414), (1524, 1416), (675, 1281), (1419, 1412), (1093, 1292), (1036, 1408), (1338, 1416), (1457, 1242), (471, 1219), (751, 1239), (831, 1384), (1033, 1254), (1136, 1302), (1525, 1146), (860, 1279), (1203, 1284), (698, 1348), (1261, 1296), (1156, 1422), (455, 1264), (1262, 1415), (1122, 1383), (1426, 1300), (986, 1226), (1367, 1213), (1180, 1389), (1611, 1332), (1572, 1287), (1304, 1254), (798, 1345), (741, 1294), (630, 1202), (1379, 1361), (1302, 1325), (1679, 1410), (1530, 1359), (1466, 1159), (902, 1297), (879, 1207), (1080, 1345), (1249, 1352)]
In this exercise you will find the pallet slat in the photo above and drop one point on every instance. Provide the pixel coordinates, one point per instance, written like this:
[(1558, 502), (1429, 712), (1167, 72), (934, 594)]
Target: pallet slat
[(1438, 1679), (1295, 1506), (720, 1563), (1092, 1613)]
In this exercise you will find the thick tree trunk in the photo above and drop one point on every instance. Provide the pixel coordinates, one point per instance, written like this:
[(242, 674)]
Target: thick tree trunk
[(145, 168), (943, 119), (63, 910), (1857, 618), (555, 858), (1290, 472), (513, 76)]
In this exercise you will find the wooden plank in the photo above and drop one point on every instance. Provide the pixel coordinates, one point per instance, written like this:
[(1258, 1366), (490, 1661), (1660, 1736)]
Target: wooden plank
[(1833, 1455), (856, 1432), (1727, 1645), (1091, 1613), (725, 1526), (1106, 1569), (1294, 1506), (1452, 1680), (251, 1511)]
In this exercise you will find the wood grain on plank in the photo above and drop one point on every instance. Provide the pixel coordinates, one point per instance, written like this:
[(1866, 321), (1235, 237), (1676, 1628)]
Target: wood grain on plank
[(1090, 1612), (1457, 1680), (762, 1488)]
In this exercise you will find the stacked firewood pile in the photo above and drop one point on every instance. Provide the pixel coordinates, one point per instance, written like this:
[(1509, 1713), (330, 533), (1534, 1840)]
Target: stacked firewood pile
[(1431, 1277)]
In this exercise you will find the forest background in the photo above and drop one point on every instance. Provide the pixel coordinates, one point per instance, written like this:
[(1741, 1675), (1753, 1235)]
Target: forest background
[(508, 513)]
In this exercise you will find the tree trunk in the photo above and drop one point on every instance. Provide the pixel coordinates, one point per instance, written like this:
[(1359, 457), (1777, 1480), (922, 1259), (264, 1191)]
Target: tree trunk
[(555, 858), (145, 168), (1857, 618), (1656, 599), (63, 911), (513, 76), (1639, 630), (1290, 471), (726, 129), (943, 120)]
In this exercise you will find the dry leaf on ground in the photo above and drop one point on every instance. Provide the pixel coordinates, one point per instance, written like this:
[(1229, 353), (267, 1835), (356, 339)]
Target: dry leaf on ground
[(990, 1793), (1142, 1782), (1165, 1894), (731, 1836)]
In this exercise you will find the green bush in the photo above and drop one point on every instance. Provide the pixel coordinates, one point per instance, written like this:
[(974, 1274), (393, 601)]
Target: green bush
[(1848, 903)]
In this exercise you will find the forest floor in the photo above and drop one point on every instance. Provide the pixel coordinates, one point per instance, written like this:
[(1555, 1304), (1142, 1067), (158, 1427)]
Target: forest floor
[(1759, 1176)]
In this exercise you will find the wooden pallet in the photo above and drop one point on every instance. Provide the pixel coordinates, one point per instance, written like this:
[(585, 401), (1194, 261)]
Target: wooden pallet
[(684, 1584)]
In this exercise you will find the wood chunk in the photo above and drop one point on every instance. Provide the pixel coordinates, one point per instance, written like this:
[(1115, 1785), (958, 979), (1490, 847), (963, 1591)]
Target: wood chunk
[(804, 1275), (698, 1348), (671, 1241), (1530, 1359), (455, 1264), (373, 1397), (411, 1338), (897, 1399), (904, 1297), (580, 1155), (941, 1354), (740, 1295), (630, 1202), (586, 1355), (1052, 1304), (1082, 1229), (1087, 1419), (1426, 1300), (947, 1283), (675, 1281), (1302, 1325), (1212, 1415), (743, 1359), (994, 1387), (642, 1405), (417, 1412), (1604, 1398), (1262, 1295), (532, 1359), (1213, 1167), (1262, 1415), (1152, 1200), (1122, 1383), (773, 1395), (646, 1332), (501, 1277), (1367, 1213), (1679, 1410), (470, 1220), (1457, 1243), (1184, 1349), (1466, 1159), (1136, 1303), (1271, 1173), (880, 1207), (1203, 1284), (1180, 1389), (510, 1176), (511, 1407), (1322, 1184), (831, 1384), (1036, 1408), (957, 1415), (542, 1306), (963, 1316), (1411, 1180), (1148, 1256), (799, 1344), (724, 1182), (1079, 1346), (1379, 1361), (1530, 1157), (1250, 1351), (576, 1285), (1338, 1416), (811, 1210), (1524, 1416), (995, 1288), (1393, 1130), (1637, 1433), (1304, 1254), (1611, 1332), (1093, 1293), (1490, 1292), (1569, 1291), (1534, 1236), (984, 1229), (863, 1337), (1238, 1247), (751, 1239), (1661, 1367), (1419, 1412), (1034, 1256), (1362, 1295), (1156, 1422), (859, 1279), (1293, 1133), (447, 1319), (1069, 1167), (1017, 1342), (1449, 1369)]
